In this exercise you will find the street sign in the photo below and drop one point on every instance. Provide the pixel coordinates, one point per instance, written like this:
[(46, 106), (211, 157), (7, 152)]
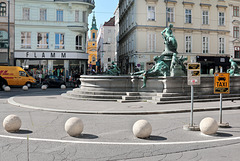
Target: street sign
[(221, 83), (194, 74)]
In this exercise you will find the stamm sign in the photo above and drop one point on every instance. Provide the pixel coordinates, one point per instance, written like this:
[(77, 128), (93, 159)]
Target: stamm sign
[(221, 83)]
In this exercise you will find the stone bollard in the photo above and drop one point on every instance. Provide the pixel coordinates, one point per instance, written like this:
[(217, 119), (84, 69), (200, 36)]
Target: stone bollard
[(7, 89), (12, 123), (208, 126), (142, 129), (25, 88), (74, 126), (63, 86), (44, 87)]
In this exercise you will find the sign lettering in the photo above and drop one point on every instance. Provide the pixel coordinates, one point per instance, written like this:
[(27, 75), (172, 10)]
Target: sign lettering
[(221, 83)]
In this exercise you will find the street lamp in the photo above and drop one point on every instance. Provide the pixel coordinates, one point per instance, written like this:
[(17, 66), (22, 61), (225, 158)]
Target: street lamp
[(8, 50)]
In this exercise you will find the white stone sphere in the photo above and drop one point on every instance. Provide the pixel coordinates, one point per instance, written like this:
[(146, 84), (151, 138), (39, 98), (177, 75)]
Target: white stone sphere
[(74, 126), (44, 87), (7, 89), (142, 129), (208, 126), (12, 123), (63, 86), (25, 88)]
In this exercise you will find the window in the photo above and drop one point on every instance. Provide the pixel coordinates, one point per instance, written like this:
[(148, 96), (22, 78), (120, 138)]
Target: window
[(22, 73), (42, 40), (151, 13), (221, 19), (205, 17), (78, 42), (188, 16), (84, 16), (236, 32), (26, 40), (236, 11), (236, 52), (205, 44), (109, 59), (188, 44), (151, 42), (59, 41), (43, 14), (221, 45), (26, 14), (170, 14), (94, 35), (60, 15), (77, 16), (2, 9)]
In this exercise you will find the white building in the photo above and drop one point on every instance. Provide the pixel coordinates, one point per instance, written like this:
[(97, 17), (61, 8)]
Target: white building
[(50, 35), (200, 27), (6, 55), (106, 44), (234, 41)]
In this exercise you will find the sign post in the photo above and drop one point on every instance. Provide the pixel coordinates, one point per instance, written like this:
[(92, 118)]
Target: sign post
[(221, 85), (194, 75)]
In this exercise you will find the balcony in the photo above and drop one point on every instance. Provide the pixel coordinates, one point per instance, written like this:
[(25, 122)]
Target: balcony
[(72, 1)]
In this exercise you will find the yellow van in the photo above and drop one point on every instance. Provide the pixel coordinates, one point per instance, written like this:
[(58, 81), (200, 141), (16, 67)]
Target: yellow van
[(16, 76)]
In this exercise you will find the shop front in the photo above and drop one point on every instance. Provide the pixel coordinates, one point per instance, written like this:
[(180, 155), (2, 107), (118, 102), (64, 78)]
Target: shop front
[(65, 65), (212, 64)]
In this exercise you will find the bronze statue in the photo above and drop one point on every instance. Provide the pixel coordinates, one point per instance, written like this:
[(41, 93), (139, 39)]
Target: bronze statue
[(169, 39), (159, 69), (234, 70), (113, 70)]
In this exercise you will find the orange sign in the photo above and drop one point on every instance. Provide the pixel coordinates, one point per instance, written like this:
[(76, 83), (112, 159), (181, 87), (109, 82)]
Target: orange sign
[(221, 83)]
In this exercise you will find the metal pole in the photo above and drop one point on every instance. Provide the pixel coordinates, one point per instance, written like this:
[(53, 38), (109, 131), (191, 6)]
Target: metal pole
[(8, 50), (220, 117), (192, 97)]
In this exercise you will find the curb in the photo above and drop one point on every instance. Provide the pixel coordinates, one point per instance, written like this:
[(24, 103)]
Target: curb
[(12, 102)]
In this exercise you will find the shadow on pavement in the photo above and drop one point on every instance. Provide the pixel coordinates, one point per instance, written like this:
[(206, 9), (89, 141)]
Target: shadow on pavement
[(221, 134), (86, 136), (155, 138)]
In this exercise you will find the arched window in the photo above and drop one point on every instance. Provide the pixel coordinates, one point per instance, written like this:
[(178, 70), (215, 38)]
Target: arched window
[(93, 35), (79, 42), (2, 9)]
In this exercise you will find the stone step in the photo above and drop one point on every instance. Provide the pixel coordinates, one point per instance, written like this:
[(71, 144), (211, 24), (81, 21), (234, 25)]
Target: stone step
[(171, 94), (73, 94), (128, 101), (141, 94), (64, 95), (195, 97), (78, 90), (195, 100), (136, 97)]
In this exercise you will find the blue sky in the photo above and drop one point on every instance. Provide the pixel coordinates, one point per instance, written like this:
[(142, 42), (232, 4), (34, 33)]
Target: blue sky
[(104, 10)]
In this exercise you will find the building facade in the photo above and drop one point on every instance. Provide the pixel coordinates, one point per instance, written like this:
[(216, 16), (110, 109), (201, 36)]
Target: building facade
[(7, 9), (200, 27), (234, 41), (106, 44), (50, 36), (92, 46)]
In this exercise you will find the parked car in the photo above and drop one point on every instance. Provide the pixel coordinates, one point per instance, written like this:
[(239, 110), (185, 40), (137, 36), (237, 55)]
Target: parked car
[(53, 81), (3, 83)]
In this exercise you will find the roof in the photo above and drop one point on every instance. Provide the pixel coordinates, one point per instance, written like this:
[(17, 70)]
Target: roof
[(111, 22)]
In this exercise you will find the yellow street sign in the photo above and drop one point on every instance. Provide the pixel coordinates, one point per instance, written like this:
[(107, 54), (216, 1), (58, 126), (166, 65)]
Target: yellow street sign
[(221, 83), (194, 66)]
